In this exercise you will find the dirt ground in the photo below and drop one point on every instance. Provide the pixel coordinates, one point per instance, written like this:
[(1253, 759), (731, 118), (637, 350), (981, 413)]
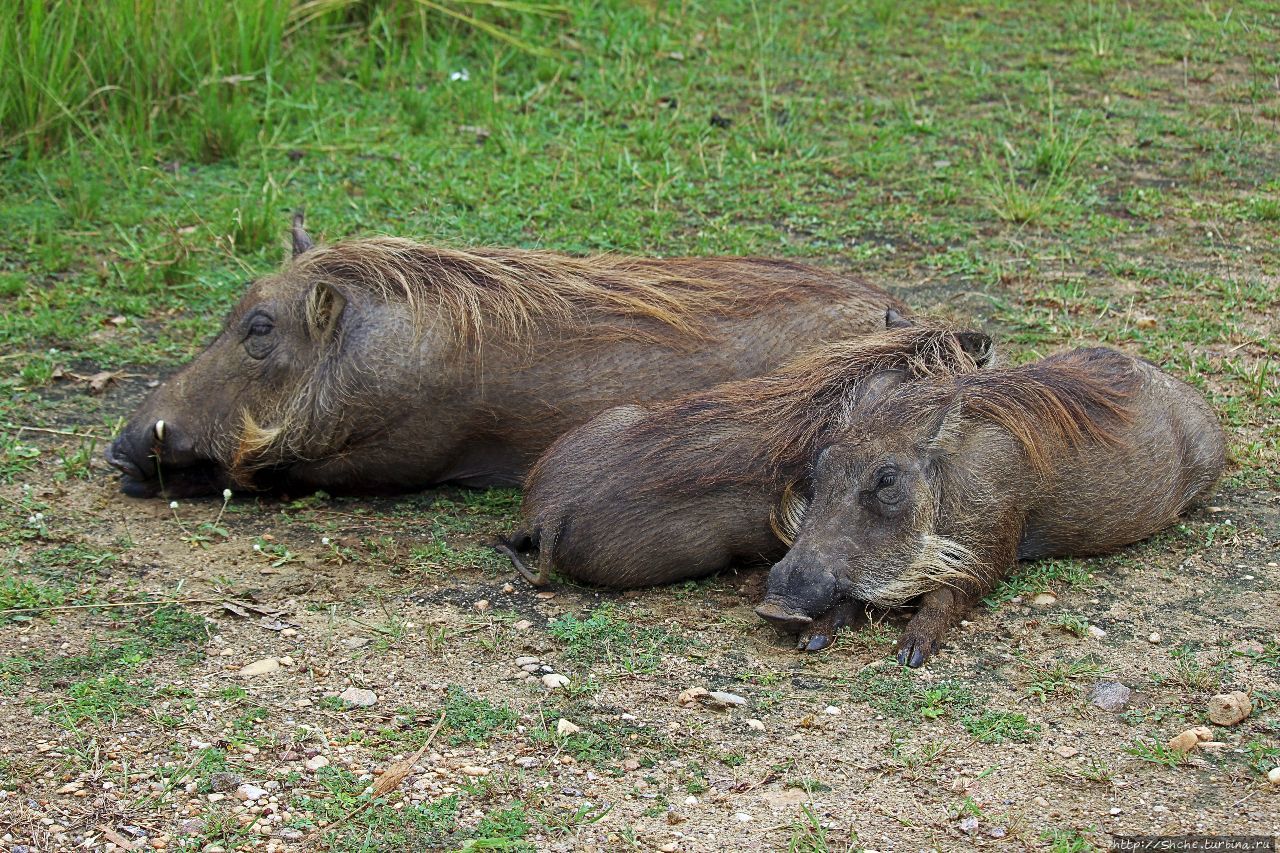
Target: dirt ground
[(134, 727)]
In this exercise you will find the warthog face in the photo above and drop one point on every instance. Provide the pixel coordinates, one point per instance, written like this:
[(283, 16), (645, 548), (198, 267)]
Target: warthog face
[(867, 531), (201, 430)]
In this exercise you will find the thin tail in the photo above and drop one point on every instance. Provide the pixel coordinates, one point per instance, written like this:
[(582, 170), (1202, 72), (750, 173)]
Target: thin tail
[(523, 541)]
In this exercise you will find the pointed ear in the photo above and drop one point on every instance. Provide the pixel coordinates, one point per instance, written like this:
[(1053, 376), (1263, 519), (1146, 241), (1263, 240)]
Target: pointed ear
[(894, 320), (324, 309), (979, 346), (942, 433), (878, 386), (302, 241)]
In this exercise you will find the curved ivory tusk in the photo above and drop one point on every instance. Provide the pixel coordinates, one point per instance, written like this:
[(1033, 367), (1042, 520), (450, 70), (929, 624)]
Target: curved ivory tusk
[(159, 428)]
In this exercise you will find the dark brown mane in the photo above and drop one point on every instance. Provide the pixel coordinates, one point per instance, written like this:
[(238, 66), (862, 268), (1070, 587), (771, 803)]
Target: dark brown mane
[(736, 431), (1046, 406), (487, 293), (1056, 403)]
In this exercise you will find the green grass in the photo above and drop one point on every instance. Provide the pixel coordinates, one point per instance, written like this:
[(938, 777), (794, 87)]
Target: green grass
[(361, 828), (1001, 726), (606, 637), (898, 693), (471, 720)]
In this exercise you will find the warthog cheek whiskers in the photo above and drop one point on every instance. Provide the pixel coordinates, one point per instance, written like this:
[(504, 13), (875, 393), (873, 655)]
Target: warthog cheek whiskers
[(939, 562)]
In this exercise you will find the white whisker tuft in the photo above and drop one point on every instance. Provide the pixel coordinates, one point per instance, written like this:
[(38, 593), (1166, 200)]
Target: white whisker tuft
[(940, 562), (787, 516)]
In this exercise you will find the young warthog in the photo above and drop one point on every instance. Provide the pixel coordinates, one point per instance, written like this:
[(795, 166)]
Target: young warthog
[(942, 484), (386, 365), (651, 495)]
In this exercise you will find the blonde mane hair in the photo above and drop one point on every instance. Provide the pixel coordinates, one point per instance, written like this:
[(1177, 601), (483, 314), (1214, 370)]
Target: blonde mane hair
[(487, 294)]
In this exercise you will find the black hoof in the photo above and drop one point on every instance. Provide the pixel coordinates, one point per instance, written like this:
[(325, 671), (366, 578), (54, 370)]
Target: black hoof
[(815, 643), (914, 655)]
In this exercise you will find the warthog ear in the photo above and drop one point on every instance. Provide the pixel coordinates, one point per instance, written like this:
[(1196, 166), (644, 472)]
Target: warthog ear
[(302, 241), (324, 307), (894, 320), (979, 346), (943, 431)]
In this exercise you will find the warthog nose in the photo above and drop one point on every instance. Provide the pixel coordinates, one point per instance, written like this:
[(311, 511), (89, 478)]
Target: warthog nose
[(782, 618)]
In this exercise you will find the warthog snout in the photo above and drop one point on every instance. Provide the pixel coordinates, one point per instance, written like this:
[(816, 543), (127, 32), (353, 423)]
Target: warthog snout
[(146, 451), (783, 618)]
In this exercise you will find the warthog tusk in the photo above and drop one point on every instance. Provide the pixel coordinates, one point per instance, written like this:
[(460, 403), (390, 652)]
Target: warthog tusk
[(159, 428)]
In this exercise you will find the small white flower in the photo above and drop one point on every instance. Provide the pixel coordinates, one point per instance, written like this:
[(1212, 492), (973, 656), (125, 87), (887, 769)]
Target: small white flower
[(257, 547), (39, 516), (324, 540), (226, 494), (460, 76), (173, 504)]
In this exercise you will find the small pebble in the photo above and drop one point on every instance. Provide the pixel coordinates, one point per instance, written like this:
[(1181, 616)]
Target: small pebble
[(755, 724), (1227, 709), (1096, 632), (729, 700), (742, 817), (248, 792), (1273, 775), (482, 605), (315, 763), (1045, 599), (523, 625), (1154, 638), (1110, 695), (565, 728), (833, 710), (555, 681), (358, 697), (260, 667), (526, 660)]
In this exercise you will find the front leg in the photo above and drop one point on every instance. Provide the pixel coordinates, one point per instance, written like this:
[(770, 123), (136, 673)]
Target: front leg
[(941, 609)]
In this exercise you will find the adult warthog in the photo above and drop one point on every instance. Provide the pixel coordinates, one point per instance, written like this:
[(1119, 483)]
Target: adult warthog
[(382, 364)]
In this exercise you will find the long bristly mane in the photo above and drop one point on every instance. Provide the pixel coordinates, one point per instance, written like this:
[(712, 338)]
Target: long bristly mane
[(1047, 407), (485, 294), (1057, 403), (785, 414)]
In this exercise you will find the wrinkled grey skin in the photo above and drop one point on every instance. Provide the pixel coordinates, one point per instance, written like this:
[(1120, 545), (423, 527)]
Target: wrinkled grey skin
[(379, 406), (939, 513), (610, 504)]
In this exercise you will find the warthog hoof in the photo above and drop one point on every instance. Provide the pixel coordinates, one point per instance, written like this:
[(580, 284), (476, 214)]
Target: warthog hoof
[(822, 633)]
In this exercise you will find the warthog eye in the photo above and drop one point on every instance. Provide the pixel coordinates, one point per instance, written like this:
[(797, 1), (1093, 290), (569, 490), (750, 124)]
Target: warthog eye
[(886, 491), (258, 338)]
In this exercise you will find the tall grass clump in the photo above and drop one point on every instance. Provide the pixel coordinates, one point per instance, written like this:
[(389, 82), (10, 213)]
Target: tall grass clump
[(187, 72), (68, 64)]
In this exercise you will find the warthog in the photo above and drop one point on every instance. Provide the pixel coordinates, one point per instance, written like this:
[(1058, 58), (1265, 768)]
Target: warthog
[(944, 483), (645, 495), (381, 364)]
